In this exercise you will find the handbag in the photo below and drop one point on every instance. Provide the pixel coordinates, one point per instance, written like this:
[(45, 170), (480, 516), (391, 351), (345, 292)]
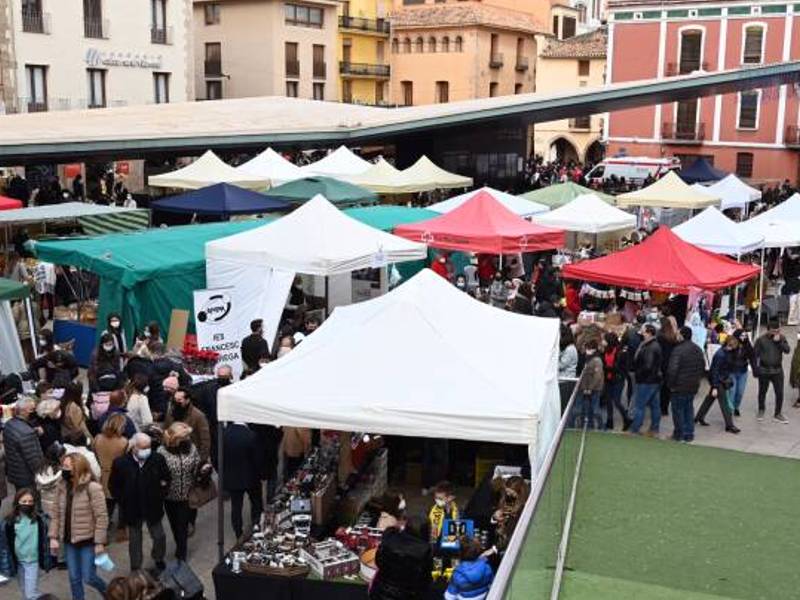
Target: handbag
[(201, 493)]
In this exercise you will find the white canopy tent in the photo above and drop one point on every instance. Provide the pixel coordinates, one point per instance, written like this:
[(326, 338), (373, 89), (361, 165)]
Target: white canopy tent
[(780, 226), (588, 214), (368, 368), (668, 192), (381, 178), (424, 176), (272, 166), (516, 204), (207, 170), (732, 192), (341, 164), (713, 231)]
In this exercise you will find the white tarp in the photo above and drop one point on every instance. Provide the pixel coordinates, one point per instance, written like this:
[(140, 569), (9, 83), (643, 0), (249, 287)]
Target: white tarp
[(516, 204), (58, 212), (733, 192), (713, 231), (272, 166), (425, 360), (341, 163), (424, 176), (207, 170), (587, 214), (780, 226)]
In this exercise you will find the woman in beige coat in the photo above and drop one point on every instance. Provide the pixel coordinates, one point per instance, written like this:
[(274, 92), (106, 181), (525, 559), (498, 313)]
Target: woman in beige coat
[(109, 445), (73, 419)]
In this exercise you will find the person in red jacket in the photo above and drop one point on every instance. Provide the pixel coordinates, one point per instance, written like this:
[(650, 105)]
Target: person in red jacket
[(439, 266)]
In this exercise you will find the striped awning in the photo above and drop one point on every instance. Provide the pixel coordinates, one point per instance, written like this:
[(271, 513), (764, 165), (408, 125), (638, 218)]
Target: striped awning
[(132, 220)]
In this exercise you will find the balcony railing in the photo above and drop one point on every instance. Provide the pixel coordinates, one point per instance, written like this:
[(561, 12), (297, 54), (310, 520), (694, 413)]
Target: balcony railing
[(96, 28), (373, 25), (363, 69), (161, 35), (674, 69), (213, 67), (581, 123), (496, 60), (292, 68), (522, 63), (683, 133), (320, 70), (792, 136), (34, 21)]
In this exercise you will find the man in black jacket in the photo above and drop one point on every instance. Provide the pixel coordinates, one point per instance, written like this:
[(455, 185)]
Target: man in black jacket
[(139, 482), (23, 452), (254, 345), (769, 350), (241, 471), (647, 370), (685, 371)]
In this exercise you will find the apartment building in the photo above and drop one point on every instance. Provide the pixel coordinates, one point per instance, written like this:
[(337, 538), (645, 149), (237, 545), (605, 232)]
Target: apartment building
[(755, 133), (66, 55), (266, 48), (363, 51)]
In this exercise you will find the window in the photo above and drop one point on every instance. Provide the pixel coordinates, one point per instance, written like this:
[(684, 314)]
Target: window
[(431, 44), (555, 25), (291, 89), (379, 94), (213, 62), (442, 92), (347, 50), (213, 90), (212, 13), (691, 51), (407, 46), (408, 92), (96, 79), (32, 17), (161, 88), (686, 119), (752, 52), (445, 44), (305, 16), (318, 90), (158, 23), (581, 13), (395, 45), (568, 29), (744, 164), (584, 67), (319, 70), (493, 87), (36, 80), (517, 88), (292, 64), (459, 44), (582, 122), (748, 109), (347, 90), (420, 45), (93, 19), (380, 51)]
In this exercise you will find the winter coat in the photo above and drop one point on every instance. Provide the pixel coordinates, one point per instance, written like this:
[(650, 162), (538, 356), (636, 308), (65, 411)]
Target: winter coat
[(8, 557), (130, 427), (108, 449), (201, 434), (242, 459), (183, 470), (794, 372), (139, 410), (769, 355), (404, 567), (647, 362), (59, 365), (52, 432), (47, 482), (615, 362), (73, 422), (719, 374), (568, 362), (269, 442), (593, 375), (253, 347), (686, 368), (666, 351), (89, 518), (23, 452), (161, 368), (140, 491), (471, 580)]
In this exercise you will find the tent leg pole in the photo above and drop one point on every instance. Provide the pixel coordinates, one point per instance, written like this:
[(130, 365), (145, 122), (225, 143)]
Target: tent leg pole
[(31, 326), (760, 293), (736, 291), (500, 263), (327, 299), (220, 501)]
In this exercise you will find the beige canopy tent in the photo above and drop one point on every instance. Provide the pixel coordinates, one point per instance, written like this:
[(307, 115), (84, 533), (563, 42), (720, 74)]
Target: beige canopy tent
[(424, 176), (381, 178), (668, 192), (207, 170)]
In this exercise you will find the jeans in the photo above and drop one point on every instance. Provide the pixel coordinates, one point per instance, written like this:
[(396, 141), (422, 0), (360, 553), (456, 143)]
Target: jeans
[(683, 416), (159, 550), (178, 515), (237, 505), (724, 406), (647, 394), (737, 391), (763, 386), (28, 575), (590, 409), (613, 398), (80, 565)]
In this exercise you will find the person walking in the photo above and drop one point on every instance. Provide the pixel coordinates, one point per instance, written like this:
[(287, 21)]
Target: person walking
[(80, 523), (667, 340), (182, 409), (647, 371), (241, 473), (720, 377), (768, 358), (109, 445), (615, 362), (73, 418), (741, 363), (254, 345), (591, 386), (685, 371), (23, 453), (183, 463), (117, 405), (25, 552), (139, 481), (138, 405)]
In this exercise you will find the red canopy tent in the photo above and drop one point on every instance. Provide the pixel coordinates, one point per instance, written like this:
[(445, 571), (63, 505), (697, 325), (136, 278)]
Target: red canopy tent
[(484, 225), (7, 203), (663, 263)]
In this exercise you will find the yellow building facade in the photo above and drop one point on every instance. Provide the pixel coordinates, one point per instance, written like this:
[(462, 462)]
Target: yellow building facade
[(363, 52)]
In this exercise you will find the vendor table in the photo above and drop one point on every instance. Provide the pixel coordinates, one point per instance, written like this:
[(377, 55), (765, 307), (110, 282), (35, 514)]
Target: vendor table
[(233, 586), (84, 335)]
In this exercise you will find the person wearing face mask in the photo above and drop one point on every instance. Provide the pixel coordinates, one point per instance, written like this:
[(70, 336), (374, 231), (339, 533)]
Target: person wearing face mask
[(138, 405), (498, 292), (444, 507), (139, 482), (105, 373), (117, 334), (23, 453), (26, 552), (49, 422), (461, 283)]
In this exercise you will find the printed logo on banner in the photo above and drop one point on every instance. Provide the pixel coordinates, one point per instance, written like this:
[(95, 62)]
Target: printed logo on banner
[(217, 327), (216, 308)]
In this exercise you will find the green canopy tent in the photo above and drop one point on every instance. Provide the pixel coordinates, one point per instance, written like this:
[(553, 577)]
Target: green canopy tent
[(560, 194), (10, 349), (13, 290), (144, 275), (339, 193)]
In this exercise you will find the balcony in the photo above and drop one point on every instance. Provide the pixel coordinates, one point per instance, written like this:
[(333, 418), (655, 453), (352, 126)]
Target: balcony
[(320, 70), (683, 133), (292, 68), (35, 22), (792, 136), (674, 69), (161, 35), (96, 28), (496, 60), (522, 63), (213, 67), (363, 70), (379, 26), (581, 123)]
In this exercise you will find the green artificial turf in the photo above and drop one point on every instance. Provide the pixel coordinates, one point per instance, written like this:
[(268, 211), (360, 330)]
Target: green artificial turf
[(660, 520)]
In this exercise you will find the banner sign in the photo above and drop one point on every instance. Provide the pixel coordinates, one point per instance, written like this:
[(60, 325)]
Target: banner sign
[(215, 316)]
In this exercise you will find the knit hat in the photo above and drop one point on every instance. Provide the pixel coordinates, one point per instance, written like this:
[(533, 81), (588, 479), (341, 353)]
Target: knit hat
[(170, 383)]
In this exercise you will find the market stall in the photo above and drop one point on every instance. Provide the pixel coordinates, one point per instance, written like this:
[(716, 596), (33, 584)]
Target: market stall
[(734, 193), (341, 163), (425, 176), (702, 171), (713, 231), (205, 171), (560, 194), (335, 191), (588, 214), (381, 178), (516, 204), (11, 357), (668, 192), (272, 166), (222, 200)]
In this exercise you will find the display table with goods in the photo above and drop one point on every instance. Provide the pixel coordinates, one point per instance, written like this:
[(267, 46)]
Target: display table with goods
[(78, 326)]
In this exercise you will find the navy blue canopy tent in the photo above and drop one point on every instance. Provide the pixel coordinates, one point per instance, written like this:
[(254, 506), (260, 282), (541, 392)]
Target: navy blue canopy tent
[(221, 199), (701, 171)]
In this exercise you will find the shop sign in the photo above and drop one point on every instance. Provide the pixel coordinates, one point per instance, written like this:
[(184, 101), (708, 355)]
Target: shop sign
[(136, 60)]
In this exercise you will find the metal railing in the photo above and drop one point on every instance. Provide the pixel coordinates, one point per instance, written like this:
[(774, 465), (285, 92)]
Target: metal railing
[(34, 21), (292, 68), (161, 35), (213, 67), (675, 69), (320, 70), (96, 28), (683, 133), (522, 63), (361, 24), (792, 136), (496, 60), (364, 69)]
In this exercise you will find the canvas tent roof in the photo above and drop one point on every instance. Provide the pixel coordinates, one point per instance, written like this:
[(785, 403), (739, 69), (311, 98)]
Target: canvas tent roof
[(7, 203), (588, 214), (272, 166), (207, 170), (733, 192), (58, 212), (560, 194), (424, 175), (663, 263), (220, 199), (13, 290), (426, 321), (381, 178), (316, 239), (780, 226), (516, 204), (713, 231), (342, 163), (338, 192), (701, 170), (668, 192), (388, 216), (482, 224)]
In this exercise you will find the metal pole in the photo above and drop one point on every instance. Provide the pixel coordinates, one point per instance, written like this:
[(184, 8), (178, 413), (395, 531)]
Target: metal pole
[(760, 290), (220, 500), (736, 291), (32, 327)]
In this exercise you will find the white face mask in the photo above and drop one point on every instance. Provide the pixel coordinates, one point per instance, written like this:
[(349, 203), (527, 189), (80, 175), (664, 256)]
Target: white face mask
[(263, 363), (108, 347), (440, 502), (42, 342), (143, 454), (402, 504), (146, 390), (115, 324)]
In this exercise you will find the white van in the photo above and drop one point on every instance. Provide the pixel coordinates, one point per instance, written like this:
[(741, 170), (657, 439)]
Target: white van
[(632, 168)]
